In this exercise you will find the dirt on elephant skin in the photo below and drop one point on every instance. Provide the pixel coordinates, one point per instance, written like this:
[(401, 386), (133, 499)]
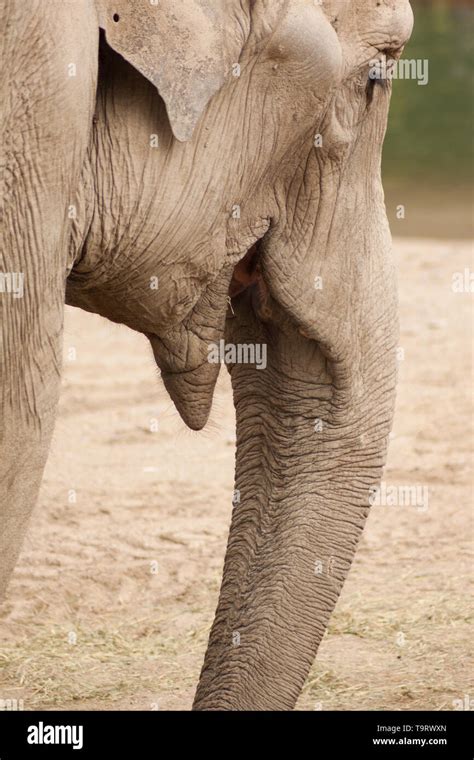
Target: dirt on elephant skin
[(112, 599)]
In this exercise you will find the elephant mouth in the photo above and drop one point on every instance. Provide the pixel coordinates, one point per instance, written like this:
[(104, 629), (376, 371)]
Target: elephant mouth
[(247, 272)]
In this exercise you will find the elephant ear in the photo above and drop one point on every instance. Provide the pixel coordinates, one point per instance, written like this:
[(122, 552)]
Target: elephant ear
[(181, 46)]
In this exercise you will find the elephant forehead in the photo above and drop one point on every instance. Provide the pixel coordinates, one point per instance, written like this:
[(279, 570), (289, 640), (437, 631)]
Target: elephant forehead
[(331, 39), (376, 23)]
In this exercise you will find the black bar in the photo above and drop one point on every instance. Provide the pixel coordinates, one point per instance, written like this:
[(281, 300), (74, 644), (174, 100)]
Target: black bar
[(307, 734)]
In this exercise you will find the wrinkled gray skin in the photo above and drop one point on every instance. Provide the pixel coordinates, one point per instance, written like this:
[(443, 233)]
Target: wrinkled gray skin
[(139, 212)]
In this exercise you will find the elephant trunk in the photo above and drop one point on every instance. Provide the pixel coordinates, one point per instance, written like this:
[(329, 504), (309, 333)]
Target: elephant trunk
[(313, 427), (312, 434)]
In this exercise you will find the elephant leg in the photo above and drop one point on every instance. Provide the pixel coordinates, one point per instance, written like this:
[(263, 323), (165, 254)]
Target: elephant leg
[(48, 86), (30, 385)]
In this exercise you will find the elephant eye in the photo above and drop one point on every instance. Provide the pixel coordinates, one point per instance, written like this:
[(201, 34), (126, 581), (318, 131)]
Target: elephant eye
[(369, 90), (116, 17)]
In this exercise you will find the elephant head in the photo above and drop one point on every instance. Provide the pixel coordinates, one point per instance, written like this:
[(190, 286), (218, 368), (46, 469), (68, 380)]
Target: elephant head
[(265, 188)]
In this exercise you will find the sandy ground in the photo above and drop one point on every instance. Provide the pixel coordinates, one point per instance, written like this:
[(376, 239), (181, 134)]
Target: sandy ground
[(111, 602)]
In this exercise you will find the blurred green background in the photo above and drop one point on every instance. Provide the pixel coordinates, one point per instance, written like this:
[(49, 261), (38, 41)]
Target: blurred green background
[(428, 164)]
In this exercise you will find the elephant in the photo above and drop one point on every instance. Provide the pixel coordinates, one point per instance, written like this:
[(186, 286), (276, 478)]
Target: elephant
[(205, 171)]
